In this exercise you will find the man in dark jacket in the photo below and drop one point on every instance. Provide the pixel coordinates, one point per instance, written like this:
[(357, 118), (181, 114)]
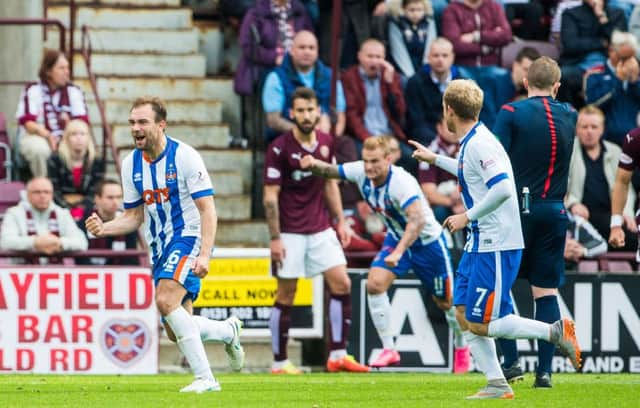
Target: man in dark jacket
[(424, 90), (585, 35)]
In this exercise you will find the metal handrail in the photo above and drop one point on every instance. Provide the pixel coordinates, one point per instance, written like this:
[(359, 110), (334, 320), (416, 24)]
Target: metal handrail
[(143, 256), (107, 138)]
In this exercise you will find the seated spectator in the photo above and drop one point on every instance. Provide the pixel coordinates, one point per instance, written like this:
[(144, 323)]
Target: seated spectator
[(410, 34), (375, 104), (75, 171), (583, 241), (478, 30), (265, 37), (300, 68), (615, 87), (108, 204), (556, 21), (592, 175), (584, 36), (45, 108), (38, 225), (530, 13), (423, 93), (519, 71), (439, 186)]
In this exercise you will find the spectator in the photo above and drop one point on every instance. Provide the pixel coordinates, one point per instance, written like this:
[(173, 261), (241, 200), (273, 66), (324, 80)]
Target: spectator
[(45, 108), (439, 186), (584, 35), (592, 174), (266, 35), (519, 70), (410, 35), (583, 241), (355, 28), (300, 68), (478, 30), (38, 225), (108, 204), (615, 87), (423, 93), (375, 104), (75, 171), (530, 13), (556, 21)]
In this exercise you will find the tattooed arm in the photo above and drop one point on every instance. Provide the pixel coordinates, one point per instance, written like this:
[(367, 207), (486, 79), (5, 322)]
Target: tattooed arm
[(319, 167), (416, 221), (272, 213)]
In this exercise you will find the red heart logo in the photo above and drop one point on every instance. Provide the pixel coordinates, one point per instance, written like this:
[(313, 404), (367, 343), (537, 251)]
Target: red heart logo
[(125, 341)]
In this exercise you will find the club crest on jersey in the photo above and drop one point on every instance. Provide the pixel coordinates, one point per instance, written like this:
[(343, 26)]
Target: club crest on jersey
[(125, 341), (171, 176), (324, 151)]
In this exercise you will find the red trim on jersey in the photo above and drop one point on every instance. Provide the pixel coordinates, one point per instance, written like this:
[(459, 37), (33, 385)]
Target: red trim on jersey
[(554, 147), (508, 108)]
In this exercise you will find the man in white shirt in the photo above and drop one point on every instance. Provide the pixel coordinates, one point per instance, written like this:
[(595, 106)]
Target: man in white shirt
[(492, 255)]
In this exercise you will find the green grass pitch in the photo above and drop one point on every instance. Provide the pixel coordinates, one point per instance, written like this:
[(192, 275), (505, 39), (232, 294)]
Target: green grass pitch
[(311, 390)]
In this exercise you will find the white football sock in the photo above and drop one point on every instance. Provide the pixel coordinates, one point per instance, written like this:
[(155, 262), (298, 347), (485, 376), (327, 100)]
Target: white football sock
[(380, 310), (213, 330), (459, 340), (189, 342), (516, 327), (483, 350), (337, 354)]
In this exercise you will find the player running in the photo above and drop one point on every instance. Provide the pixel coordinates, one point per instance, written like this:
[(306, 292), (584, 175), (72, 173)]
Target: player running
[(493, 251), (166, 184), (544, 128), (414, 241)]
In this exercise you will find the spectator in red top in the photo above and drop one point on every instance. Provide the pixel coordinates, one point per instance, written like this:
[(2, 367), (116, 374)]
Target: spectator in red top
[(478, 30), (375, 102), (44, 110), (75, 171)]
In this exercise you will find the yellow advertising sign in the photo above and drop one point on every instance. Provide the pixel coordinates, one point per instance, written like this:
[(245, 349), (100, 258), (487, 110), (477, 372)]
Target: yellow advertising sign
[(248, 291), (245, 282)]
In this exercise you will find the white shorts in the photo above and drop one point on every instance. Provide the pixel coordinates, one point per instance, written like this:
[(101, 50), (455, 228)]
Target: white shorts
[(307, 255)]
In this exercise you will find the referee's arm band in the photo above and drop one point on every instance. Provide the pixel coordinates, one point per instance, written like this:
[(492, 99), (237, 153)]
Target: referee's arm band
[(616, 220)]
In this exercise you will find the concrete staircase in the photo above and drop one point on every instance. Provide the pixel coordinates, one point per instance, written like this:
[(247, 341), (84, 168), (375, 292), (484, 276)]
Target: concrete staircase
[(153, 47)]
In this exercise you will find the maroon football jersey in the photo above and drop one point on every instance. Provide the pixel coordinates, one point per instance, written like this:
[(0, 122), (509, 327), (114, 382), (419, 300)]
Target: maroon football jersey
[(301, 202), (433, 174), (630, 157)]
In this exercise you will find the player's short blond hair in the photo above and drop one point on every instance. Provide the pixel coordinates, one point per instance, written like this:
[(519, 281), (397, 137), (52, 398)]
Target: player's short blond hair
[(465, 97), (377, 142), (157, 105), (543, 73)]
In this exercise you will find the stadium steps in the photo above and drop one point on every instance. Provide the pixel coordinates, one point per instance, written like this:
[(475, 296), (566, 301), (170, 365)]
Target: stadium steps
[(258, 355), (153, 47)]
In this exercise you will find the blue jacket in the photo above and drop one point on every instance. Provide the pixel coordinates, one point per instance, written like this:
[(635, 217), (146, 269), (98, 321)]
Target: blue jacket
[(619, 104)]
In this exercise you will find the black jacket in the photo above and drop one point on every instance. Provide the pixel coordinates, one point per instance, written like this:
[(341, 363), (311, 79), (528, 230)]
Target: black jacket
[(62, 180), (582, 33)]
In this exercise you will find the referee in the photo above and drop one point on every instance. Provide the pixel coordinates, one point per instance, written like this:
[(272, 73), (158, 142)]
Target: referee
[(538, 134)]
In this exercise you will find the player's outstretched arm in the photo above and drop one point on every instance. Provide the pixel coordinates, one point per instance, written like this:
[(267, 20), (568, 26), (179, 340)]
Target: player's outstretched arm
[(618, 201), (319, 167), (129, 221), (424, 154)]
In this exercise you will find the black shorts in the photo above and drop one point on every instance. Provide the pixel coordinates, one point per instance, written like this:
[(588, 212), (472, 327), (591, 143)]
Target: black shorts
[(545, 232)]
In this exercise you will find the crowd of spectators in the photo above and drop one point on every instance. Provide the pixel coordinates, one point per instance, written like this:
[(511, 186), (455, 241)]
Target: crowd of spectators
[(396, 58), (56, 157)]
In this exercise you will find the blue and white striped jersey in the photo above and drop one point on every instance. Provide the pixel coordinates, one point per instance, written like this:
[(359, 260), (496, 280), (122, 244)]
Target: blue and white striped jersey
[(482, 163), (167, 187), (391, 199)]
